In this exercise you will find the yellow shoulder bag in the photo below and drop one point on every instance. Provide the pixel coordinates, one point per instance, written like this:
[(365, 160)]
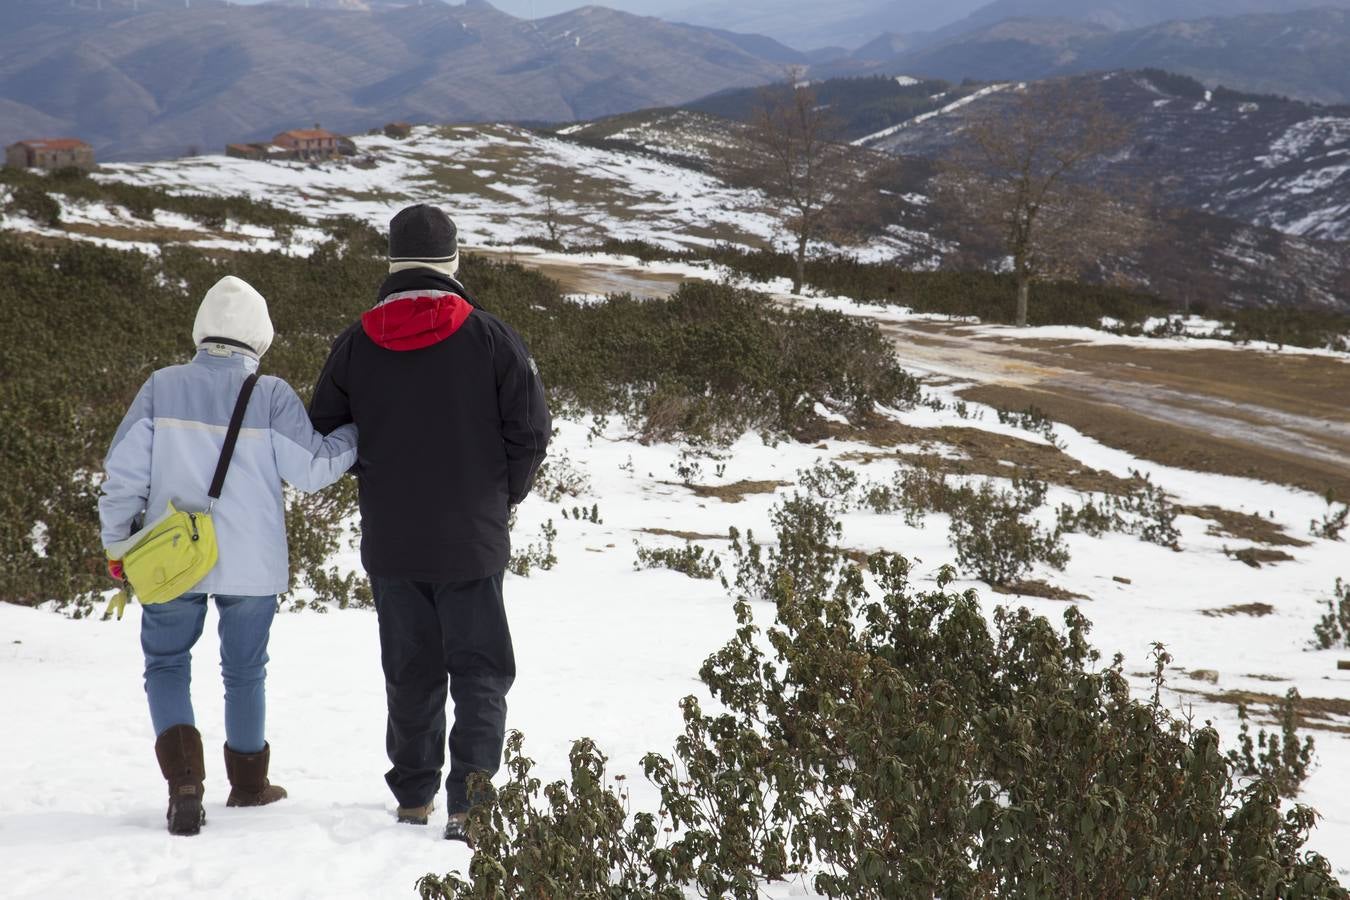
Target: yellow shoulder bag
[(166, 558)]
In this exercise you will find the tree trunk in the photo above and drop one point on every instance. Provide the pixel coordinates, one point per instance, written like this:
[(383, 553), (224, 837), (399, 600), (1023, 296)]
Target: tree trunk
[(799, 276), (1023, 294)]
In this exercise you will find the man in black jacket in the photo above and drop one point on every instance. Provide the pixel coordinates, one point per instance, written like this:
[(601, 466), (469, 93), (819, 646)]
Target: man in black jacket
[(453, 424)]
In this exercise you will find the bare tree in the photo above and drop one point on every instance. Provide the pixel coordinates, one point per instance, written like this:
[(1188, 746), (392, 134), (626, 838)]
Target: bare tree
[(1017, 175), (796, 155)]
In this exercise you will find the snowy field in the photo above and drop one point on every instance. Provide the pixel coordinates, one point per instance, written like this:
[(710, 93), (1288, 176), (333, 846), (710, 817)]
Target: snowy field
[(604, 651)]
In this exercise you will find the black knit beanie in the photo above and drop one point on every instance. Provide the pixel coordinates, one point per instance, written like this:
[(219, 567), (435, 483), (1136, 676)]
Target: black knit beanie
[(422, 233)]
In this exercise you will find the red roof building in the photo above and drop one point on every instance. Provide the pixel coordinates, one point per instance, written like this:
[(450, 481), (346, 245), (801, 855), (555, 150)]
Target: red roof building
[(52, 153), (309, 143)]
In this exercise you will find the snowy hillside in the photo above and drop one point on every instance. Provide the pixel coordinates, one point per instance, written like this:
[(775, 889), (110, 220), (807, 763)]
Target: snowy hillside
[(500, 181)]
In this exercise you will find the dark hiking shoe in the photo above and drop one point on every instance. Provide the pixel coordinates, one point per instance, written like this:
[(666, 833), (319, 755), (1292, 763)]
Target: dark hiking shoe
[(248, 778), (179, 752), (457, 828), (416, 815), (186, 816)]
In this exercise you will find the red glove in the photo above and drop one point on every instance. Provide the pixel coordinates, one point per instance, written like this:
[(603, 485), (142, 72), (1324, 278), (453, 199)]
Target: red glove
[(115, 570)]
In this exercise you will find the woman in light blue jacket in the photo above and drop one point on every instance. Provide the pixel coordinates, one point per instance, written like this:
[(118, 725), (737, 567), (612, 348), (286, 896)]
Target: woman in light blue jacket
[(166, 450)]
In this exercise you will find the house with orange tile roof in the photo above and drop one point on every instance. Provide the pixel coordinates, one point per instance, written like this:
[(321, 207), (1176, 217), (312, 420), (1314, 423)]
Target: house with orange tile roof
[(50, 153), (309, 143)]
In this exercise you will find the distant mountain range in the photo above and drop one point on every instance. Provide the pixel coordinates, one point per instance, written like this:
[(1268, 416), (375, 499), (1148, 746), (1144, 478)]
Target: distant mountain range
[(1300, 54), (147, 78), (154, 78), (1123, 15), (811, 25)]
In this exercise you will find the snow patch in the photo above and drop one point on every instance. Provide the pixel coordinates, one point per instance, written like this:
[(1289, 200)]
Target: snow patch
[(919, 119)]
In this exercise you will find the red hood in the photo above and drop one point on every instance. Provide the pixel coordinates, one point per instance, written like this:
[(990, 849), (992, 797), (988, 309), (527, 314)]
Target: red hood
[(411, 320)]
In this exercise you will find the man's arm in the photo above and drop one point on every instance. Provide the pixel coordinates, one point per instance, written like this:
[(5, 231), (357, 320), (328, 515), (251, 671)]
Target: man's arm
[(526, 423), (330, 407)]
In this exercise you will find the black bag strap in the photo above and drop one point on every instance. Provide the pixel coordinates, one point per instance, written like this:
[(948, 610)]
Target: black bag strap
[(231, 437)]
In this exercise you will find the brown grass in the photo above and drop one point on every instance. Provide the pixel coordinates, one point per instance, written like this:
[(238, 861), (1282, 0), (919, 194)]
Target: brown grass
[(1243, 526), (687, 535), (1256, 610), (1256, 557), (1042, 589), (150, 234), (734, 492), (1309, 712), (986, 453)]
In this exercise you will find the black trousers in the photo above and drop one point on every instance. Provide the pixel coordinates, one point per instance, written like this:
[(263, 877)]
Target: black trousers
[(431, 634)]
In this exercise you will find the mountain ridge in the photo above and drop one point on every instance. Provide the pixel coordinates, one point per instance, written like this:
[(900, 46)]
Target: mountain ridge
[(157, 81), (1300, 54)]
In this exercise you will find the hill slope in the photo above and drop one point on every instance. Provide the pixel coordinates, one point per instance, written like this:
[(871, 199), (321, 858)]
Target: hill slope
[(1263, 160)]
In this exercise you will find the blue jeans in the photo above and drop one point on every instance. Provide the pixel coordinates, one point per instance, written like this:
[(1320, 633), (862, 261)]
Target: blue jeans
[(168, 632)]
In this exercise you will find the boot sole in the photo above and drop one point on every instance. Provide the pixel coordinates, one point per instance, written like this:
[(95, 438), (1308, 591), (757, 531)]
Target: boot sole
[(186, 818)]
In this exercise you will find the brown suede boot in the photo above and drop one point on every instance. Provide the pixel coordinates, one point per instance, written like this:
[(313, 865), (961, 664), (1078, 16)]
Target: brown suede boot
[(179, 751), (248, 778)]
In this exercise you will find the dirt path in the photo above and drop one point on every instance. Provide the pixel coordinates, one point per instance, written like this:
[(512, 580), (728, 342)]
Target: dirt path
[(577, 278), (1275, 416)]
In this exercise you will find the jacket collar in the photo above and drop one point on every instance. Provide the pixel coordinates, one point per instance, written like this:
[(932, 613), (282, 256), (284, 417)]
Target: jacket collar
[(225, 357), (421, 279), (417, 308)]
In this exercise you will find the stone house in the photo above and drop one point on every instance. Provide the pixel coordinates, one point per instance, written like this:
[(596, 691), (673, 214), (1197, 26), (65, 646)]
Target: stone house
[(55, 153), (308, 143), (248, 151)]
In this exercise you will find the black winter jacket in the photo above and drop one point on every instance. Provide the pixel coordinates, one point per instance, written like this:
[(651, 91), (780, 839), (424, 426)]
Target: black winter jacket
[(452, 423)]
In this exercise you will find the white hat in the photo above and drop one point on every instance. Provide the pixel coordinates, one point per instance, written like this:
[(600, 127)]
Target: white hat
[(233, 311)]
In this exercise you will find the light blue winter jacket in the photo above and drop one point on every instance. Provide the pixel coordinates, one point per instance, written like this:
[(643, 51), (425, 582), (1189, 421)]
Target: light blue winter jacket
[(167, 448)]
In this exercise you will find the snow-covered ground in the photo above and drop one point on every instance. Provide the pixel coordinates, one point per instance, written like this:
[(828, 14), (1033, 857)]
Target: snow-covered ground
[(500, 180), (604, 651)]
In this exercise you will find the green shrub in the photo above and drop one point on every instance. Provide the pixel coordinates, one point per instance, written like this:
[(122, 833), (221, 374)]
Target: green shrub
[(558, 477), (1030, 419), (995, 541), (691, 559), (536, 556), (37, 204), (142, 201), (887, 741), (1281, 759), (1333, 630), (1333, 521), (1143, 509), (708, 364), (991, 297)]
